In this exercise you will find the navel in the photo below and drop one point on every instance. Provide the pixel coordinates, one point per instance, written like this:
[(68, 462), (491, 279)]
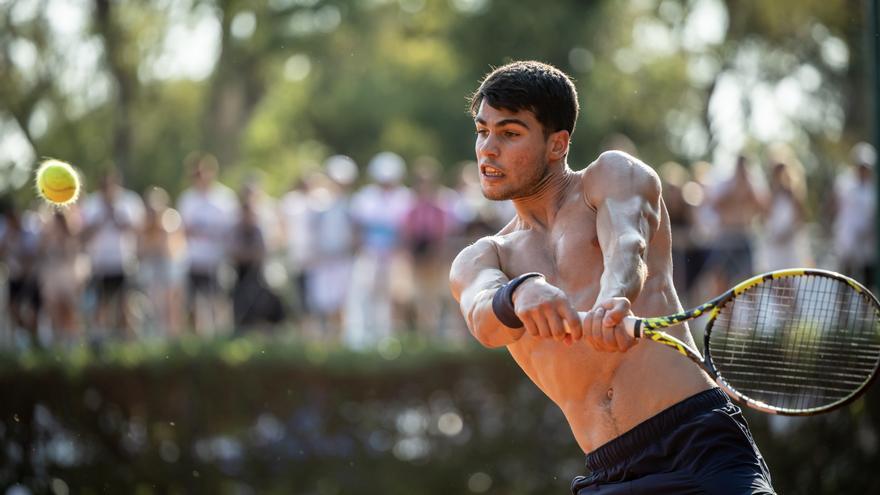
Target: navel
[(607, 404)]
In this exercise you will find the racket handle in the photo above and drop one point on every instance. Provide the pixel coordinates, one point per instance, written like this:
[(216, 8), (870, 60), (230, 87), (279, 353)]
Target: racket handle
[(632, 325)]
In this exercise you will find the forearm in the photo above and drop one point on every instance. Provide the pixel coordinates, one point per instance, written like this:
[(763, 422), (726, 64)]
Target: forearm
[(483, 323), (628, 214), (475, 277), (625, 270)]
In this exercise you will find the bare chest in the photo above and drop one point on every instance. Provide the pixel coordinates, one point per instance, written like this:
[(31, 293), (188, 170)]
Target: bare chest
[(567, 254)]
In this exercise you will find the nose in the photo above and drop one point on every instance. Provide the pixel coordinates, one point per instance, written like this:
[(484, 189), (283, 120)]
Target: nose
[(487, 146)]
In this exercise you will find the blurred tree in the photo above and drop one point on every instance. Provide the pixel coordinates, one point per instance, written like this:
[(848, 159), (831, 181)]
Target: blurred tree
[(118, 43), (277, 85)]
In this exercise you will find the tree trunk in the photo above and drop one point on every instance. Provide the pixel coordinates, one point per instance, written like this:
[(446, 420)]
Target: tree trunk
[(125, 77)]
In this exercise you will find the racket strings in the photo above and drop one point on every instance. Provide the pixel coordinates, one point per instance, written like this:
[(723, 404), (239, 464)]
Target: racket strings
[(797, 343)]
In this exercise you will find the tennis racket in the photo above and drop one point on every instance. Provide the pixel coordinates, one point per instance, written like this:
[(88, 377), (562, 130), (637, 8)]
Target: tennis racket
[(793, 342)]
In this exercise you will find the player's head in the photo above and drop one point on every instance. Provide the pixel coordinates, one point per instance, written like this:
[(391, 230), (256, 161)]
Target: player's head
[(537, 87), (525, 113)]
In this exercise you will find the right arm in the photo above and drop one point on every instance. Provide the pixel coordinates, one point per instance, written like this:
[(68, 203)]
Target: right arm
[(474, 277), (544, 309)]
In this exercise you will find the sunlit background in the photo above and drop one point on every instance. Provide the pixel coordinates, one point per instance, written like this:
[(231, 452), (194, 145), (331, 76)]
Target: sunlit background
[(358, 375)]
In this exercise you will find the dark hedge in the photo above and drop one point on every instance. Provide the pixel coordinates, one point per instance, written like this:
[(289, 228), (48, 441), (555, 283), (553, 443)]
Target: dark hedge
[(267, 416)]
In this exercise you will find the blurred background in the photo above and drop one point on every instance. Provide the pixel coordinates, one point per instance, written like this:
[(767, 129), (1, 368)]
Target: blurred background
[(251, 297)]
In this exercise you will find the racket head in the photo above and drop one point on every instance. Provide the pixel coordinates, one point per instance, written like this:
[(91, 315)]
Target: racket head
[(795, 342)]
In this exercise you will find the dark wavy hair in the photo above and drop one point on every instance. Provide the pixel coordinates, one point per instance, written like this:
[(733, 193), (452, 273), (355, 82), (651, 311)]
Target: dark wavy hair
[(535, 86)]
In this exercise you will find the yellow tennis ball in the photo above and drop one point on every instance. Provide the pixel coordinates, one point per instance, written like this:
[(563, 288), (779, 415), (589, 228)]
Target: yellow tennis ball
[(57, 182)]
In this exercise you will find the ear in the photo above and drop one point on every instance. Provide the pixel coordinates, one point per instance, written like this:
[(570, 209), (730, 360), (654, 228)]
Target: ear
[(557, 145)]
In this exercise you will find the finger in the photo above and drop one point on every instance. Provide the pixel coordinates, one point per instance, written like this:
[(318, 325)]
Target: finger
[(543, 329), (610, 303), (609, 337), (596, 334), (611, 318), (531, 328), (557, 327), (615, 302), (615, 335), (572, 322), (615, 311), (623, 338)]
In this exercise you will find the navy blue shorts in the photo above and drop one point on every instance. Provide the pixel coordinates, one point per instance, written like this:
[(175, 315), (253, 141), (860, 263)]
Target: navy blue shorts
[(702, 445)]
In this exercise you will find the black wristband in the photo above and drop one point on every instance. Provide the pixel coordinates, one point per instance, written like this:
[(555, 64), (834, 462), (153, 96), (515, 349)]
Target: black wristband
[(502, 301)]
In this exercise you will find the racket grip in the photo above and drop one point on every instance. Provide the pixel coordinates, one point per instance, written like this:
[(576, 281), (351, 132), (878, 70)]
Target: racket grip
[(633, 326)]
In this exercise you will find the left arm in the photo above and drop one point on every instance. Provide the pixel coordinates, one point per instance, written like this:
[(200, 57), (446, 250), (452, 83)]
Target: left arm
[(626, 196)]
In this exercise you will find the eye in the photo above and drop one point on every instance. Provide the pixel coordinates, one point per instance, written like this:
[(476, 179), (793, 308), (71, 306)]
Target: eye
[(482, 132), (511, 134)]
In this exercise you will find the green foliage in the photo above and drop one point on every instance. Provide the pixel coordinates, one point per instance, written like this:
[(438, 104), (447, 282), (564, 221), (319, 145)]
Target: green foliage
[(295, 81)]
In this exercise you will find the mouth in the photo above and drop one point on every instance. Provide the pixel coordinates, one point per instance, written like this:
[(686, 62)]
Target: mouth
[(490, 172)]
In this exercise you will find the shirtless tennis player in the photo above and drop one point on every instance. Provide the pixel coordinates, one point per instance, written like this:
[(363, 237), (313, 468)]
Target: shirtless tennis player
[(584, 250)]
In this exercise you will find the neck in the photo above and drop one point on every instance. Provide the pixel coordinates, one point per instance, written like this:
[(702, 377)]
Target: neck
[(538, 209)]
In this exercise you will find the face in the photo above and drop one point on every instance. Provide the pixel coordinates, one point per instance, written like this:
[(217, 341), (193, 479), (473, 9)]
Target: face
[(109, 186), (512, 153), (202, 178)]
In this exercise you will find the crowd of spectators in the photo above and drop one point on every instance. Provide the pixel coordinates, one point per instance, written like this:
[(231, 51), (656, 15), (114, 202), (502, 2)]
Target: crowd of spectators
[(758, 219), (354, 260), (338, 258)]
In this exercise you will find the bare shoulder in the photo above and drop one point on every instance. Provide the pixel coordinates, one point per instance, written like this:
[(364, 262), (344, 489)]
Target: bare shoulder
[(471, 261), (619, 174), (479, 249)]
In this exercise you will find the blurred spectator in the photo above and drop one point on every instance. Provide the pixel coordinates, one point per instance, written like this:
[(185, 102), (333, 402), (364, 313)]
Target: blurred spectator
[(426, 227), (272, 228), (704, 228), (209, 211), (253, 303), (855, 202), (785, 242), (60, 273), (378, 210), (333, 243), (161, 245), (266, 209), (675, 180), (112, 218), (737, 203), (19, 243), (294, 210)]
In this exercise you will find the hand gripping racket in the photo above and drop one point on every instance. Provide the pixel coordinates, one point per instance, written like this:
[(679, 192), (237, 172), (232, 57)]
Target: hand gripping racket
[(794, 342)]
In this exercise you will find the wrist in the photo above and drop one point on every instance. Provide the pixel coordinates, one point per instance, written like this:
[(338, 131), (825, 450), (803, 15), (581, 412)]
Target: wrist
[(502, 301), (525, 281)]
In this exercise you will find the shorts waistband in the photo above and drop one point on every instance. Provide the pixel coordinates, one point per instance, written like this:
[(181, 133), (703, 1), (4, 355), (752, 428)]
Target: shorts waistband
[(653, 429)]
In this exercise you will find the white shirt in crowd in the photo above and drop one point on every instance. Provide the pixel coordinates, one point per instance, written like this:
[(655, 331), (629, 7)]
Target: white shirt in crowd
[(380, 213), (208, 218), (294, 207), (113, 247), (854, 223)]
